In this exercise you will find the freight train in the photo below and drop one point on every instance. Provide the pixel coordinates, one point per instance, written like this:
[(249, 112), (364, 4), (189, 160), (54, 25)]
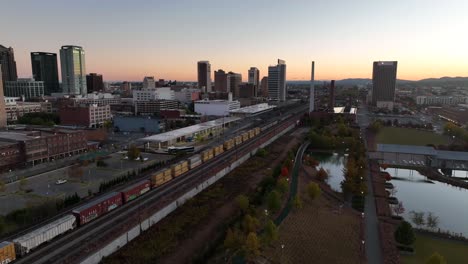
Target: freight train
[(88, 212)]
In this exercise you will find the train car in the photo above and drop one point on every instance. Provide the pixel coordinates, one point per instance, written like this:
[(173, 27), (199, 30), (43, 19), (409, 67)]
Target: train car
[(245, 136), (251, 133), (176, 169), (157, 179), (7, 252), (135, 190), (228, 144), (194, 161), (184, 166), (207, 155), (33, 239), (218, 150), (167, 175), (257, 131), (238, 140), (95, 209)]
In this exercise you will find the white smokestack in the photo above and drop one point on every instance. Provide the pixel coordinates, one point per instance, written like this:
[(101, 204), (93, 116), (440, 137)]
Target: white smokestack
[(312, 89)]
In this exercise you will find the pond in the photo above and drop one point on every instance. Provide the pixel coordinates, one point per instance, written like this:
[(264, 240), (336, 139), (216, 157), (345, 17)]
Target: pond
[(333, 163), (447, 202)]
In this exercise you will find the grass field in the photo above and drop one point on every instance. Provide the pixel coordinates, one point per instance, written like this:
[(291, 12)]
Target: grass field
[(408, 136), (453, 251)]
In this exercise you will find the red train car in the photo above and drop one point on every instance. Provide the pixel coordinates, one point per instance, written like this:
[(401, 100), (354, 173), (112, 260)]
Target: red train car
[(92, 210), (135, 190)]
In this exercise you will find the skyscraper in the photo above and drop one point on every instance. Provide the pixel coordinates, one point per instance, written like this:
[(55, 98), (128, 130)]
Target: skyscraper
[(220, 81), (384, 83), (149, 82), (264, 86), (44, 68), (277, 81), (3, 116), (234, 81), (7, 60), (94, 83), (72, 61), (254, 76), (204, 76)]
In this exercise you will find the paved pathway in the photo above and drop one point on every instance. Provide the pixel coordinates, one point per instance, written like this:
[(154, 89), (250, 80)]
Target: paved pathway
[(372, 242)]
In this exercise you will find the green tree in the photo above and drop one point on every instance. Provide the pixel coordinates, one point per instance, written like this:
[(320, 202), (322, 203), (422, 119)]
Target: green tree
[(133, 152), (282, 185), (297, 202), (107, 124), (252, 246), (436, 258), (405, 234), (243, 202), (250, 224), (313, 190), (233, 240), (274, 201), (271, 232)]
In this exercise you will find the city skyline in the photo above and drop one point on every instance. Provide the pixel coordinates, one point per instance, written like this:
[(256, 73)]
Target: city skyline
[(145, 39)]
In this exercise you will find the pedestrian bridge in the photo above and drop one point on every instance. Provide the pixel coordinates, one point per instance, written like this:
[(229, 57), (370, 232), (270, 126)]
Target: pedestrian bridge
[(420, 156)]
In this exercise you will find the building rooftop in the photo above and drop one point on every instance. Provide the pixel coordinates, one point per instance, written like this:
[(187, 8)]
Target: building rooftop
[(407, 149), (253, 109), (341, 110), (16, 136), (452, 155), (174, 134)]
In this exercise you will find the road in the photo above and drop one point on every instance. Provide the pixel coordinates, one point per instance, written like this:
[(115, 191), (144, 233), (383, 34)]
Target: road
[(372, 238)]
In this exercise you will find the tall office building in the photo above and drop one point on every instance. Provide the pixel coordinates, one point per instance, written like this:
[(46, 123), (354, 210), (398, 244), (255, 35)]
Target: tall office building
[(149, 82), (234, 81), (7, 60), (94, 83), (204, 76), (72, 61), (277, 81), (312, 89), (44, 68), (26, 87), (3, 115), (220, 81), (254, 76), (264, 86), (384, 83)]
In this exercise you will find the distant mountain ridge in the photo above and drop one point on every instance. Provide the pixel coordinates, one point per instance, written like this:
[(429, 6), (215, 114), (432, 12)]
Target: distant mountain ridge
[(455, 81)]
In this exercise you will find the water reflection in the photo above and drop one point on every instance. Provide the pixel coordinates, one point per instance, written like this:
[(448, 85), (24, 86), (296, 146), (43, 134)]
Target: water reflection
[(333, 163), (447, 202)]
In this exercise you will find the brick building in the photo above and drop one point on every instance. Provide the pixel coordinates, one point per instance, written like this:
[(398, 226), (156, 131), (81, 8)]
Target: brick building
[(85, 115)]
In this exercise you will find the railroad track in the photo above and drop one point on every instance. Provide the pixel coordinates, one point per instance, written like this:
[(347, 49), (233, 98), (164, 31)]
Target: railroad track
[(70, 247)]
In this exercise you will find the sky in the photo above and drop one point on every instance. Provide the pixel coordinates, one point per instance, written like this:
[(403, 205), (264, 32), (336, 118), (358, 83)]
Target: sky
[(127, 40)]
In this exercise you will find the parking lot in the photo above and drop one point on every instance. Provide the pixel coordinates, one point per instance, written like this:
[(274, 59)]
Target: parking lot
[(82, 179)]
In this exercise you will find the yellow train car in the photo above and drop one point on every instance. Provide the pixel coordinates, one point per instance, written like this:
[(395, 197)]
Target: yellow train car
[(7, 252), (228, 144)]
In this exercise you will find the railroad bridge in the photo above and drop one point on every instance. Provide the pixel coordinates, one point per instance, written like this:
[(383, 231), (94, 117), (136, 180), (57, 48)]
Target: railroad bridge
[(420, 156)]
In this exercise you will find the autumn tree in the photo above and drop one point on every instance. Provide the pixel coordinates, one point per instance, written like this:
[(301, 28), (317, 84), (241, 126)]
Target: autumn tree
[(297, 202), (405, 234), (271, 232), (252, 246), (133, 152), (243, 203), (322, 175), (282, 185), (436, 258), (284, 171), (313, 190), (274, 201), (250, 224), (399, 208), (233, 240)]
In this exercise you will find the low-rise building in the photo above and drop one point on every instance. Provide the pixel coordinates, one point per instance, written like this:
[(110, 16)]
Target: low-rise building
[(16, 108), (99, 99), (441, 100), (27, 88), (85, 115), (153, 107), (164, 93), (216, 107), (187, 95), (143, 124)]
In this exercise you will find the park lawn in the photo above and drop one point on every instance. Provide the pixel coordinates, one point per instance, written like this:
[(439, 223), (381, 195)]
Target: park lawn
[(426, 245), (409, 136)]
